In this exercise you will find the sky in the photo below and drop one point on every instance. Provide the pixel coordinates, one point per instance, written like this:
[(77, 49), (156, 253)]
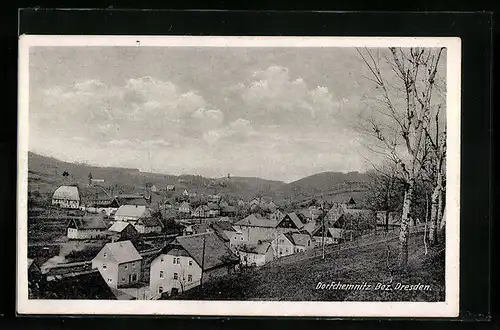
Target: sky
[(274, 113)]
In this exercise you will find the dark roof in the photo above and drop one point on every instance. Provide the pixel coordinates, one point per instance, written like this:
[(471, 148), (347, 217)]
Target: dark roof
[(131, 200), (213, 206), (200, 228), (223, 225), (339, 199), (255, 248), (216, 252), (89, 222), (295, 219), (151, 222), (88, 286), (119, 226), (256, 220)]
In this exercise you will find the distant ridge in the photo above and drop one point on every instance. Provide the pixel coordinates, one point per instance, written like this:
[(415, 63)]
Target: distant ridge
[(46, 174)]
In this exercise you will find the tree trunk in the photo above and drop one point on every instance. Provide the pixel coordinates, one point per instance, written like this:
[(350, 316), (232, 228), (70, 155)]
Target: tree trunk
[(434, 216), (405, 219)]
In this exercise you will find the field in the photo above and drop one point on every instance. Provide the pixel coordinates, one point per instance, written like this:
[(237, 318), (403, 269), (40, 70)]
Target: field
[(297, 281)]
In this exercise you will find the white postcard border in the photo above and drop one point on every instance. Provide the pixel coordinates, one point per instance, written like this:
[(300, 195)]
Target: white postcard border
[(449, 308)]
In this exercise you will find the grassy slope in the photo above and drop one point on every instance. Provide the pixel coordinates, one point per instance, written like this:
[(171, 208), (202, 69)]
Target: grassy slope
[(297, 281)]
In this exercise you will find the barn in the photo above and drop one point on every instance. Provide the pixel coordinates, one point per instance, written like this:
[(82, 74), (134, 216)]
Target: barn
[(66, 197)]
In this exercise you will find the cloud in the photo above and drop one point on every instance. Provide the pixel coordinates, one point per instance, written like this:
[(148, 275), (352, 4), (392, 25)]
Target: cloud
[(274, 96)]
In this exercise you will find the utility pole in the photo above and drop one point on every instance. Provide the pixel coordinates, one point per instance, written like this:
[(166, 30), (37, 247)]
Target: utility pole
[(203, 261), (323, 239)]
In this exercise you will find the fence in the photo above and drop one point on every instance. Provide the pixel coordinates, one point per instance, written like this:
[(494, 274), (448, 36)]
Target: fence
[(375, 237)]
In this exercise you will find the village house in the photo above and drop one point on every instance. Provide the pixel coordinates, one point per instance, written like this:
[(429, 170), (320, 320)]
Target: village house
[(170, 187), (255, 228), (388, 219), (214, 209), (148, 225), (229, 211), (214, 198), (185, 208), (131, 213), (189, 260), (66, 197), (119, 264), (255, 254), (201, 211), (86, 227), (331, 235), (292, 221), (291, 242), (344, 202), (195, 229), (122, 231), (277, 215), (241, 203), (132, 199), (185, 193), (154, 189)]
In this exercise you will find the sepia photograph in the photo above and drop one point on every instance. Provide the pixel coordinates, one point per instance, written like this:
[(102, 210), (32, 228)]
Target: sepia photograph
[(252, 176)]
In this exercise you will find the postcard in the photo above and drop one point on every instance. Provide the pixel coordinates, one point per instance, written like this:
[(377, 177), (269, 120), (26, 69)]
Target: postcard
[(239, 176)]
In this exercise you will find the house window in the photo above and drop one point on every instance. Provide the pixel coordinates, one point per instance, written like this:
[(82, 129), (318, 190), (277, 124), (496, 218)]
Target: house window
[(286, 250), (126, 266), (190, 262), (174, 260), (123, 279), (160, 289), (162, 259), (176, 276), (133, 265), (308, 243), (110, 280), (190, 278), (161, 274), (104, 266), (105, 255)]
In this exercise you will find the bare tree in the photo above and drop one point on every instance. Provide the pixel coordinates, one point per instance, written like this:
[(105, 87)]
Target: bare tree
[(404, 106)]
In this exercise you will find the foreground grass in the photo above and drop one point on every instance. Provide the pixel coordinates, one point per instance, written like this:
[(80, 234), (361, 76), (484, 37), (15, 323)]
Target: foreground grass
[(298, 281)]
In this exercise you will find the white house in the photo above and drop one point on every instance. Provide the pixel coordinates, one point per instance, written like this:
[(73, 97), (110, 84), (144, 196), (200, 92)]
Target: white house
[(66, 197), (131, 213), (290, 243), (185, 208), (180, 265), (119, 264), (87, 227), (148, 225), (255, 254)]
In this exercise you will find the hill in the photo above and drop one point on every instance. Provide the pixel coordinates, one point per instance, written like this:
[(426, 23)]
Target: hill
[(46, 174), (298, 281), (325, 186)]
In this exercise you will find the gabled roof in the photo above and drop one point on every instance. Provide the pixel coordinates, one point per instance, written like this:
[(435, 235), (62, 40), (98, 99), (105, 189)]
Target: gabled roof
[(298, 238), (119, 226), (202, 208), (216, 252), (185, 204), (123, 251), (200, 228), (213, 206), (339, 199), (255, 220), (67, 192), (335, 232), (223, 225), (309, 227), (132, 211), (89, 222), (150, 222), (255, 248), (130, 199), (294, 218)]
